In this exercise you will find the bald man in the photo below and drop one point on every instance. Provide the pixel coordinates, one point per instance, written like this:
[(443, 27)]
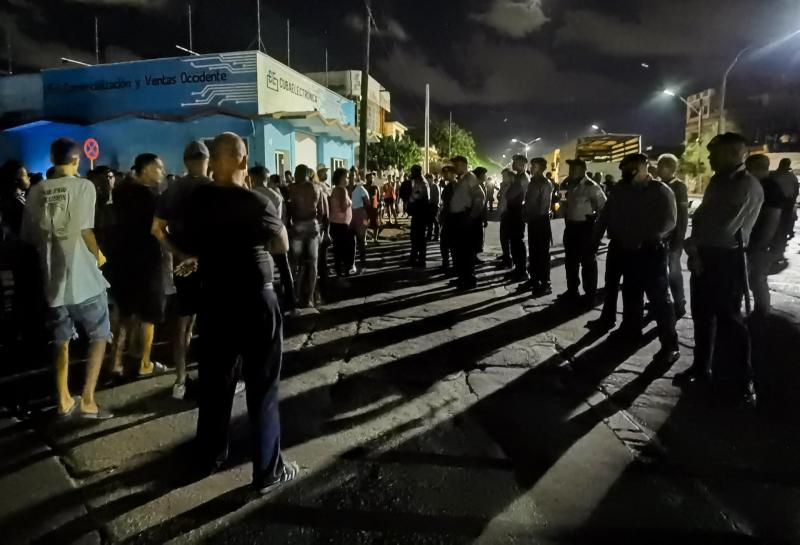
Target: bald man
[(232, 231), (721, 229)]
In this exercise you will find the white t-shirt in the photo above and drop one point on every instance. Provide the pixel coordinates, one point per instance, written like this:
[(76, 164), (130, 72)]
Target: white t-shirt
[(56, 212), (359, 194)]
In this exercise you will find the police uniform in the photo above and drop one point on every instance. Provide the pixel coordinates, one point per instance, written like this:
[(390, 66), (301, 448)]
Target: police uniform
[(466, 206), (641, 216), (721, 227), (419, 209), (515, 222), (538, 201), (585, 199)]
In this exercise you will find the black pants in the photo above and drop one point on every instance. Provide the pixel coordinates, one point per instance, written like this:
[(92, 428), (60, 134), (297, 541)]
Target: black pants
[(445, 243), (432, 229), (646, 272), (478, 236), (717, 296), (504, 242), (580, 259), (419, 244), (613, 277), (250, 328), (515, 230), (460, 226), (344, 246), (539, 250)]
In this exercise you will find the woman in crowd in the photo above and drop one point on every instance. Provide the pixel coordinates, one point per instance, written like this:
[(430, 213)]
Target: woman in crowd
[(341, 216)]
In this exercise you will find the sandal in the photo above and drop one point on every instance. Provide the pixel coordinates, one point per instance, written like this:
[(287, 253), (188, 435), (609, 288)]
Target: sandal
[(71, 410), (101, 414), (289, 472), (158, 369)]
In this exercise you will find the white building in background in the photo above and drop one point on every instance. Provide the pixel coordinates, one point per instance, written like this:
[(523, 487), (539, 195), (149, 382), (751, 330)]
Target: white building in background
[(379, 101)]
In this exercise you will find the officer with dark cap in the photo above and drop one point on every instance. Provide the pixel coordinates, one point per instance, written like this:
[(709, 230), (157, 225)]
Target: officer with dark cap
[(514, 218), (640, 216), (465, 209), (721, 229), (584, 200), (538, 200)]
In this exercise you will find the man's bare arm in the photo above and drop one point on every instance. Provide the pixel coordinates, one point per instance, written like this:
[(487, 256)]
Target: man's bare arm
[(279, 244), (91, 242), (159, 230)]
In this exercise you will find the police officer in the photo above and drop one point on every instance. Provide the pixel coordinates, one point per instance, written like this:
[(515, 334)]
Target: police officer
[(666, 168), (466, 207), (419, 209), (538, 200), (513, 216), (584, 200), (640, 217), (721, 230)]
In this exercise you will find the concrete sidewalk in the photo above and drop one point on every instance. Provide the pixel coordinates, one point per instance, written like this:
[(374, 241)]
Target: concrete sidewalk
[(423, 416)]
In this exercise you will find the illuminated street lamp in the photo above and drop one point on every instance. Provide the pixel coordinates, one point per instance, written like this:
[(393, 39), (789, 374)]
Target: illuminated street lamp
[(695, 109), (724, 89), (527, 145), (598, 128)]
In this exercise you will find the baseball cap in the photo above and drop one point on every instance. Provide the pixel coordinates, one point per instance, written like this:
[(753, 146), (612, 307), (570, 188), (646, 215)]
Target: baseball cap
[(196, 150), (322, 166)]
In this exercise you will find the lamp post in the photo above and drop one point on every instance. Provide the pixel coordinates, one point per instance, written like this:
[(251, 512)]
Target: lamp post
[(599, 128), (698, 111), (527, 145), (724, 88)]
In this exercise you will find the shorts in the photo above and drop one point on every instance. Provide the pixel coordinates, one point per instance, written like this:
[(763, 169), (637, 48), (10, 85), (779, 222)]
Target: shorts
[(91, 315), (188, 294), (389, 201), (138, 286)]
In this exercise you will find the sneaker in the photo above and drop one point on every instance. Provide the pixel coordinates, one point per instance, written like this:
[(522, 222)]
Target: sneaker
[(288, 473), (680, 311), (240, 387), (353, 270), (179, 391)]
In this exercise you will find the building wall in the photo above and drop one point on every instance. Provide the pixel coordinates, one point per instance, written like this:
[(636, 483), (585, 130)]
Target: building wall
[(121, 140)]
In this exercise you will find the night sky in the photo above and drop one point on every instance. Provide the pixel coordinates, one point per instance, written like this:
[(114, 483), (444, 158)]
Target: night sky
[(505, 68)]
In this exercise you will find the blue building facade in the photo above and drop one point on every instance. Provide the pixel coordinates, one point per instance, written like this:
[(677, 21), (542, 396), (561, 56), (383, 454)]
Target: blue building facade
[(159, 105)]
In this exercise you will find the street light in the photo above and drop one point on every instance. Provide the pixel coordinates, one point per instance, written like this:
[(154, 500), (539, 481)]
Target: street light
[(527, 145), (724, 88), (598, 128), (695, 109)]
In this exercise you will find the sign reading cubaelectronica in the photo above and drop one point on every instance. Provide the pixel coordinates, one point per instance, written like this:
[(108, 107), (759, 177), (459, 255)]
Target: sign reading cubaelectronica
[(249, 82)]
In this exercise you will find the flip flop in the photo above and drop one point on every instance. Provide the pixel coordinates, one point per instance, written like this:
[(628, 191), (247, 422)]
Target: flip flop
[(101, 414), (71, 411), (158, 369)]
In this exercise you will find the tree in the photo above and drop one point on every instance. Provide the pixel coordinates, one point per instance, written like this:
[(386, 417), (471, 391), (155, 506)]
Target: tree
[(462, 142), (390, 151)]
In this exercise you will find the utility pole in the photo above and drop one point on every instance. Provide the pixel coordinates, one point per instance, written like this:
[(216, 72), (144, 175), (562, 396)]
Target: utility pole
[(427, 128), (96, 40), (450, 137), (189, 13), (8, 52), (288, 44), (260, 43), (362, 122), (326, 67)]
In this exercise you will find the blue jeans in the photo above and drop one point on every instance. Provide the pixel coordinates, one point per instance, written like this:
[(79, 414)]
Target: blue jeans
[(92, 315), (252, 330)]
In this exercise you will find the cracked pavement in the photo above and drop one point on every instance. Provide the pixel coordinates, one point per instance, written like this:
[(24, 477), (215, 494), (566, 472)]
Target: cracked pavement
[(423, 416)]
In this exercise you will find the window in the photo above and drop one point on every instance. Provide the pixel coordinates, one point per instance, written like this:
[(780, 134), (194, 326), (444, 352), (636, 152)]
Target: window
[(705, 111), (338, 163), (280, 163)]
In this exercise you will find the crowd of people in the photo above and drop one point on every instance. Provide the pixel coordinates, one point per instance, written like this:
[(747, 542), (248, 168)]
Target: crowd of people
[(113, 247)]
